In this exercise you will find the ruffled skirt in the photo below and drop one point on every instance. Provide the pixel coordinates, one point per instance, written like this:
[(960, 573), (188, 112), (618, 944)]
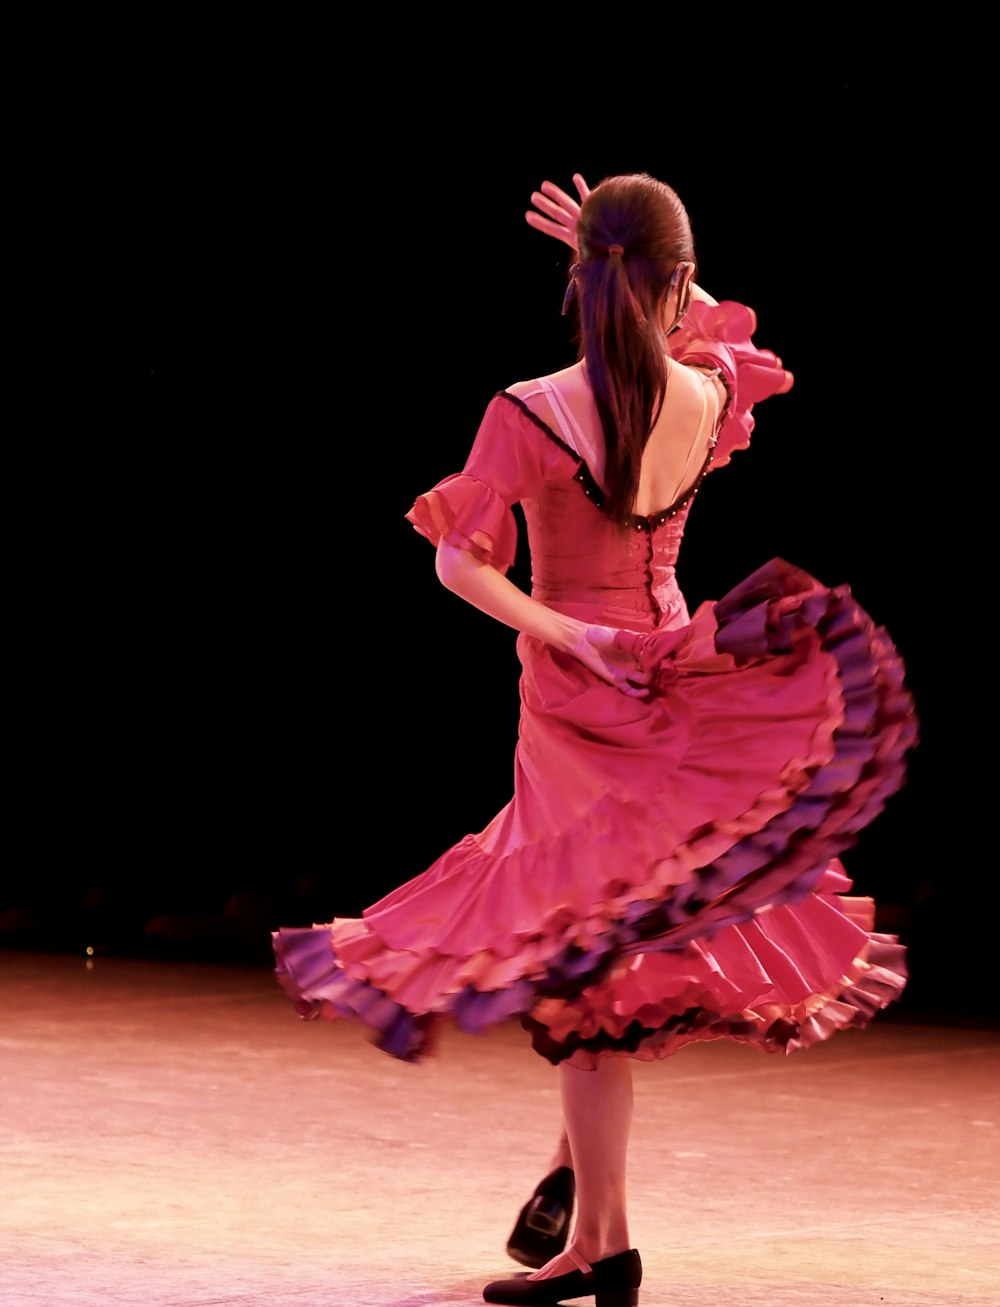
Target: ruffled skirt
[(668, 869)]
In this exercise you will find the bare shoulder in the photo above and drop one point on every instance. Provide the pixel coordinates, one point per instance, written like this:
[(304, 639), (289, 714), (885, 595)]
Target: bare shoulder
[(522, 389), (569, 380), (699, 378)]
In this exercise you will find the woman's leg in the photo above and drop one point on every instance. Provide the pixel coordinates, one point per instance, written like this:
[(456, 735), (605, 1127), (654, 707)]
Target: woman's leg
[(597, 1110), (543, 1223), (563, 1156)]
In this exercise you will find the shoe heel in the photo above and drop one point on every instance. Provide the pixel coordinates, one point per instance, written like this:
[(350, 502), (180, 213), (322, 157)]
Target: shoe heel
[(617, 1280), (616, 1298)]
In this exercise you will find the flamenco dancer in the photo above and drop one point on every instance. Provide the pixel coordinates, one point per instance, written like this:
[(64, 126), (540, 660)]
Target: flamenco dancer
[(668, 868)]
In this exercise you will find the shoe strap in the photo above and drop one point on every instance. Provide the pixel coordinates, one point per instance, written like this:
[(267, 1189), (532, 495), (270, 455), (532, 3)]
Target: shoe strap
[(575, 1257)]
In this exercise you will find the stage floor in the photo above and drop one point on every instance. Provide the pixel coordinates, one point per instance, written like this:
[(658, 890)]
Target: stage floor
[(172, 1135)]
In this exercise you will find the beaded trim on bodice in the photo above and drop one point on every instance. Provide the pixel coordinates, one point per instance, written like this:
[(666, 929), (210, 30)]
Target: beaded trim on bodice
[(593, 491)]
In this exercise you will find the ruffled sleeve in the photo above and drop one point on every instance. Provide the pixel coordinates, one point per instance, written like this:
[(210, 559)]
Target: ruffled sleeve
[(719, 336), (471, 509)]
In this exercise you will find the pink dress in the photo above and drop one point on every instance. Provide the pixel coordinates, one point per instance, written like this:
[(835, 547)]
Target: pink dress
[(667, 869)]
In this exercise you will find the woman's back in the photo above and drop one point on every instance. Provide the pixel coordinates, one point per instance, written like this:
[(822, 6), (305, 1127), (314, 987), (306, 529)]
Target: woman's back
[(581, 562), (678, 445)]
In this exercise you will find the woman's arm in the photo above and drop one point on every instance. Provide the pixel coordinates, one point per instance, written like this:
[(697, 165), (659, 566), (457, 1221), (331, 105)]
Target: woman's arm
[(490, 591), (698, 294)]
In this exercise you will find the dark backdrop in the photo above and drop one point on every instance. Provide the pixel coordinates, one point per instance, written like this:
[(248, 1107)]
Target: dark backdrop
[(259, 706)]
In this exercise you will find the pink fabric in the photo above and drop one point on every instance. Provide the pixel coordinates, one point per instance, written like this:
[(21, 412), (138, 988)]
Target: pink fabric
[(469, 514), (667, 869)]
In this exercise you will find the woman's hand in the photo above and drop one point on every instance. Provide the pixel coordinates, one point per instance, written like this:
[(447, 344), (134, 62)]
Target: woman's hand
[(612, 659), (608, 652), (557, 212)]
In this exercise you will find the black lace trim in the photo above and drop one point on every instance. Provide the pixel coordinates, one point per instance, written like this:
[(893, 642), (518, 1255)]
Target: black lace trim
[(539, 422), (593, 491)]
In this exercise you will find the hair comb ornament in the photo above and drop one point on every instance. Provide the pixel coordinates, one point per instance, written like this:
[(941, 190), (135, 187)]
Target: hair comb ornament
[(570, 289)]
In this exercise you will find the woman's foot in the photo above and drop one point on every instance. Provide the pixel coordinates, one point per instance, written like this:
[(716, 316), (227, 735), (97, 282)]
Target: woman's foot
[(566, 1262), (612, 1282), (542, 1226)]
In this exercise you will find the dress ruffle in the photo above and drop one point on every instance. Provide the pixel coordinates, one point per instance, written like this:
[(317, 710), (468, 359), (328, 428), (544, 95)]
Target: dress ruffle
[(778, 731), (719, 336), (465, 512), (784, 980)]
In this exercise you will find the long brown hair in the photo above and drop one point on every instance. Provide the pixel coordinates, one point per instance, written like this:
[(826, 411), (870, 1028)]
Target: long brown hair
[(632, 233)]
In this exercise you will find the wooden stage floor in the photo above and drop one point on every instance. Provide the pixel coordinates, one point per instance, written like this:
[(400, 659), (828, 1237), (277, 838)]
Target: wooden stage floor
[(172, 1135)]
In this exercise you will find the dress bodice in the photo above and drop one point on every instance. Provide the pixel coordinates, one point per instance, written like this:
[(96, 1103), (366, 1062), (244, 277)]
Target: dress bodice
[(583, 565)]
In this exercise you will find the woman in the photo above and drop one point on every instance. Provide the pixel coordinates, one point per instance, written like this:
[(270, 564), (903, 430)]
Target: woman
[(667, 870)]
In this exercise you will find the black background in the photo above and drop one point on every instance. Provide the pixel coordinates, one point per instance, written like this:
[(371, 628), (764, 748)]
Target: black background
[(253, 684)]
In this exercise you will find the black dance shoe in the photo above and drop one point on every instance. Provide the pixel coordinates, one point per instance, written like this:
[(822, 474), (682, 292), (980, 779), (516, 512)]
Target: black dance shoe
[(613, 1282), (543, 1224)]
